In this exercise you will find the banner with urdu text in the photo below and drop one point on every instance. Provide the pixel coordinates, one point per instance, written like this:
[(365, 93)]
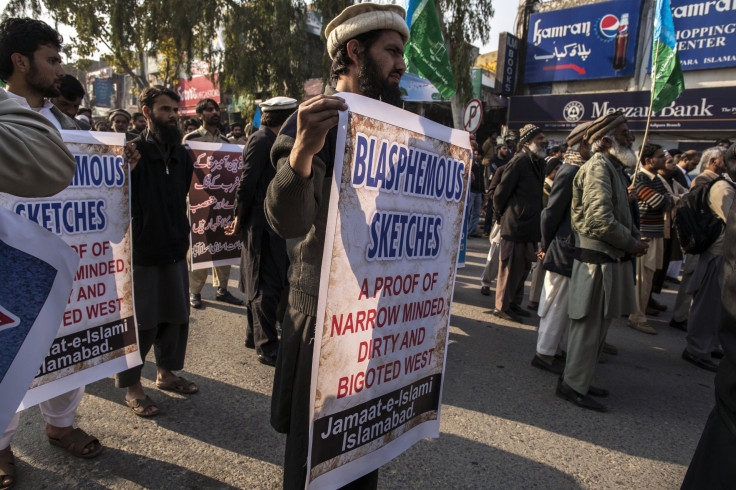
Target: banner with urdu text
[(97, 336), (391, 245), (217, 171)]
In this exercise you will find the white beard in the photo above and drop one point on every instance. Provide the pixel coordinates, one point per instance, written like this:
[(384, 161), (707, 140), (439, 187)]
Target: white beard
[(539, 152), (624, 154)]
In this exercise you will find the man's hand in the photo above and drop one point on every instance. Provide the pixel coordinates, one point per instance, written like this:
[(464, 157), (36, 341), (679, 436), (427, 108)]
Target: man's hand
[(233, 227), (540, 255), (632, 192), (315, 118), (640, 248), (131, 155)]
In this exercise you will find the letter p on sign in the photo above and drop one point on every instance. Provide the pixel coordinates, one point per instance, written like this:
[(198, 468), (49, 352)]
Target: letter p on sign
[(472, 115)]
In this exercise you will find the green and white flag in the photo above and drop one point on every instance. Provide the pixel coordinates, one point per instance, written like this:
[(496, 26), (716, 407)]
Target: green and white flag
[(667, 79), (426, 53)]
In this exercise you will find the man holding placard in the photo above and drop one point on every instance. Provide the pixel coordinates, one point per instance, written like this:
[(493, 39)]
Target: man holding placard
[(366, 45)]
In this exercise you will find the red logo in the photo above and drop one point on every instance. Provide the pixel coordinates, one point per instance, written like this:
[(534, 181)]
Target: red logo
[(7, 319)]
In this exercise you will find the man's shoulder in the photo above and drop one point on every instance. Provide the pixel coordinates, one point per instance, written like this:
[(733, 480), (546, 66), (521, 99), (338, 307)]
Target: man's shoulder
[(194, 135)]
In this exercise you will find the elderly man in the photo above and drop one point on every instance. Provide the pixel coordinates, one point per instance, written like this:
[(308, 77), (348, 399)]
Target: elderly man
[(366, 45), (119, 120), (518, 201), (705, 284), (208, 111), (263, 258), (557, 254), (601, 285)]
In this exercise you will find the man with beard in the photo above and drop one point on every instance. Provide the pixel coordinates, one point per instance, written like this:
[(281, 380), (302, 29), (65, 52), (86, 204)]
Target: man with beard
[(366, 45), (30, 65), (70, 97), (601, 285), (654, 202), (518, 201), (237, 136), (263, 260), (160, 233), (209, 113), (119, 120)]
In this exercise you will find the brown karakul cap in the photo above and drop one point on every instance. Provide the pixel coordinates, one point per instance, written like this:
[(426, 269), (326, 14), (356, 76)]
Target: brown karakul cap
[(604, 125), (576, 135)]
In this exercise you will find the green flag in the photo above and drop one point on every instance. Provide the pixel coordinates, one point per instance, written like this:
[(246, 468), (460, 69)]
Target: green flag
[(667, 79), (425, 53)]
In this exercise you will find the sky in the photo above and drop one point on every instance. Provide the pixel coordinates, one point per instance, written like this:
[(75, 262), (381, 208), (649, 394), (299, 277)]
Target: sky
[(501, 22)]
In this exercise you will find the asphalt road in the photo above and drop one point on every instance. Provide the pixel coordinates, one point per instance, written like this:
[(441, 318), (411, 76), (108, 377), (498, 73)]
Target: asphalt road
[(501, 425)]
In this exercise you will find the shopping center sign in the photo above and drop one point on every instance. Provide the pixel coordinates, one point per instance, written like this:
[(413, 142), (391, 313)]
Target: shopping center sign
[(705, 32), (711, 109), (580, 43)]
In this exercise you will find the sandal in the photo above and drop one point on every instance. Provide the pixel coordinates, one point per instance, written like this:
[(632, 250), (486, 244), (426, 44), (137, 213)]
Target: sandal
[(7, 469), (181, 385), (140, 407), (75, 442)]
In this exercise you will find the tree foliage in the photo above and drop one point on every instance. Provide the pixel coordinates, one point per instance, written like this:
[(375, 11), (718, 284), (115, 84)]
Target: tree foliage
[(175, 31), (464, 21)]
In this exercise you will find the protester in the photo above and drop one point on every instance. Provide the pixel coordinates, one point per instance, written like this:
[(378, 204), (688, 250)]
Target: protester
[(705, 284), (209, 113), (70, 97), (237, 136), (712, 464), (654, 203), (264, 260), (102, 126), (475, 198), (30, 66), (190, 125), (366, 45), (490, 271), (139, 123), (602, 283), (160, 234), (119, 120), (499, 159), (518, 201), (557, 253)]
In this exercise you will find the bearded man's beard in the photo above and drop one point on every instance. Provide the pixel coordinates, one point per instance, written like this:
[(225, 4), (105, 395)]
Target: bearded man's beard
[(165, 132), (371, 85), (34, 81), (624, 154), (537, 150)]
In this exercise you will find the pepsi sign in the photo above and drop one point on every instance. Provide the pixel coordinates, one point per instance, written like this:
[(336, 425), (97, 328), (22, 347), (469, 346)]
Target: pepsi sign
[(581, 43)]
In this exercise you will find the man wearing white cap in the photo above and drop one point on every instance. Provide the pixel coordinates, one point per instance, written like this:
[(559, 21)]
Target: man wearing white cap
[(263, 259), (366, 45)]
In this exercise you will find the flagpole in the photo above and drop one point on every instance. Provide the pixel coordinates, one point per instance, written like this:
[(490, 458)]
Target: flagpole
[(649, 113)]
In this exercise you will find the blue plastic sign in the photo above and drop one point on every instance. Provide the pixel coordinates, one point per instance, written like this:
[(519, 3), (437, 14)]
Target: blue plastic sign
[(103, 91), (705, 33), (581, 43)]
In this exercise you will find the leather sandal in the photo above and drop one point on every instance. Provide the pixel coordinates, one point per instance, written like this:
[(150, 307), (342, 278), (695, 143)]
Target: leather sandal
[(75, 442), (7, 469), (140, 407)]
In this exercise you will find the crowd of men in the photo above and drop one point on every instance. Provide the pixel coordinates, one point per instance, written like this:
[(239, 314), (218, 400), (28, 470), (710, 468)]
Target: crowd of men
[(595, 219)]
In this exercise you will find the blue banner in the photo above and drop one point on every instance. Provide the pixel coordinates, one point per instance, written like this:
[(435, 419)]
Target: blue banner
[(705, 33), (580, 43), (103, 92)]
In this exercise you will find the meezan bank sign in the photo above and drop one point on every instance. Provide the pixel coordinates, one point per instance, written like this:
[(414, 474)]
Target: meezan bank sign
[(712, 109)]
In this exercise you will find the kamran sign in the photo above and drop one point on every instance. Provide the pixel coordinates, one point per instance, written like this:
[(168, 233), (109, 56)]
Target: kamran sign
[(391, 244), (705, 32), (592, 41)]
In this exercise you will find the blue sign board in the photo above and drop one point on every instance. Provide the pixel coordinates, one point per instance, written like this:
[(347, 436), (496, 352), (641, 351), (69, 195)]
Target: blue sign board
[(705, 33), (707, 109), (103, 92), (581, 43), (507, 63)]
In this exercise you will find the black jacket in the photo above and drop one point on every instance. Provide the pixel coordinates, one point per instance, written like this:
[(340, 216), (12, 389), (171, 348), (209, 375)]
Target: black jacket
[(158, 195), (518, 198), (558, 240), (726, 376), (257, 174)]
